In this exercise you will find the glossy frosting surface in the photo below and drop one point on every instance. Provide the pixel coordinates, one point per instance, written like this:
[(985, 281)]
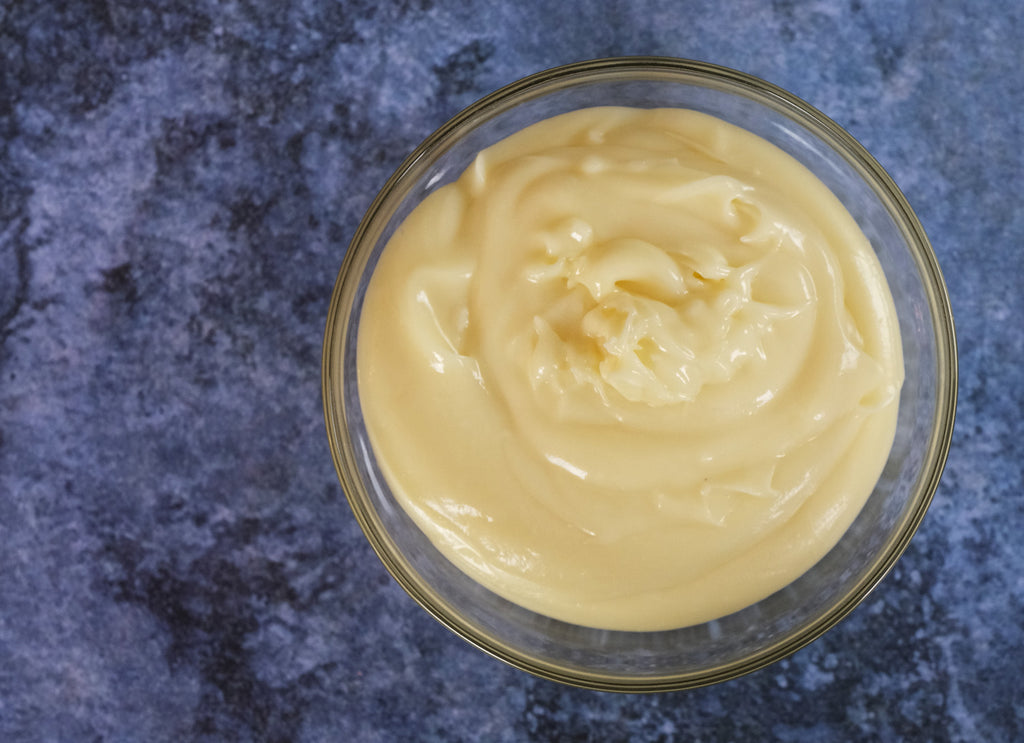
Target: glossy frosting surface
[(635, 369)]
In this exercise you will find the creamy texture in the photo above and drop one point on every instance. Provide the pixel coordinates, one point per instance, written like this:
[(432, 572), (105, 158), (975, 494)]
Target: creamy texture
[(635, 369)]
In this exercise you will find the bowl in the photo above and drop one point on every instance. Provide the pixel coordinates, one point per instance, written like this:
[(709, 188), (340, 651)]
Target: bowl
[(788, 619)]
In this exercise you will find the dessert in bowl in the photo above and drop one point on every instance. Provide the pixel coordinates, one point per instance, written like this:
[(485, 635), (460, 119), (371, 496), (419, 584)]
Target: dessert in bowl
[(639, 374)]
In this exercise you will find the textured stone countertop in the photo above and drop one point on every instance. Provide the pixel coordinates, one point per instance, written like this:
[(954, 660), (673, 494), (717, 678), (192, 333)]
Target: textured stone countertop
[(178, 184)]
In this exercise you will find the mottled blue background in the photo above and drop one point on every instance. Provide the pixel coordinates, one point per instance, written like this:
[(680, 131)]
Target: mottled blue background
[(178, 183)]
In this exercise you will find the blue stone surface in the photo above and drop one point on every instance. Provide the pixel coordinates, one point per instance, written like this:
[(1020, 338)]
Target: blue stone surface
[(178, 184)]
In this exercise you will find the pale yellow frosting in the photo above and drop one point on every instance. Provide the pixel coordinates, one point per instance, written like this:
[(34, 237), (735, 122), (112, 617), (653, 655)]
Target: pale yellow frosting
[(635, 369)]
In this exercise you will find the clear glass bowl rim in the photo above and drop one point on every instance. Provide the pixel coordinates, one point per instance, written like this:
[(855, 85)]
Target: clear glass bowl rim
[(692, 72)]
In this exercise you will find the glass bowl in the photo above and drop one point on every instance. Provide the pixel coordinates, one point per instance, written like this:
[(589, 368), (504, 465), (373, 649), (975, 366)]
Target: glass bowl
[(788, 619)]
